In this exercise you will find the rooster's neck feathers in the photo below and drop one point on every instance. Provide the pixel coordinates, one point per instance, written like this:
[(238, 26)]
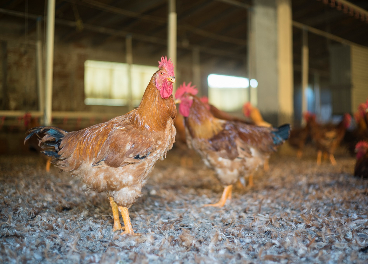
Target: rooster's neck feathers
[(154, 111), (201, 123)]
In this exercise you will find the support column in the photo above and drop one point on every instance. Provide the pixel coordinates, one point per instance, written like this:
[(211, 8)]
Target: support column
[(252, 95), (285, 61), (317, 94), (41, 91), (49, 60), (171, 39), (196, 68), (4, 53), (129, 61), (272, 31), (305, 62)]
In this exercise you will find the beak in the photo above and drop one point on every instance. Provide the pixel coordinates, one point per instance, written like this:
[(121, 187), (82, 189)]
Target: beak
[(171, 79), (177, 101)]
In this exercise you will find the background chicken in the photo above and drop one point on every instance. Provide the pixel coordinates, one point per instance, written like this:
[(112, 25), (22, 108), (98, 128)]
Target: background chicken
[(299, 136), (361, 165), (217, 112), (328, 137), (255, 116), (232, 149), (116, 156)]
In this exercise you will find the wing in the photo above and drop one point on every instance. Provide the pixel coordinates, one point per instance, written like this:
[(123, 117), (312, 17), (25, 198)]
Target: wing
[(114, 143), (238, 139)]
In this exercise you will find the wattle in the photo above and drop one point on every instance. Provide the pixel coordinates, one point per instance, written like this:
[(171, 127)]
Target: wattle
[(166, 89)]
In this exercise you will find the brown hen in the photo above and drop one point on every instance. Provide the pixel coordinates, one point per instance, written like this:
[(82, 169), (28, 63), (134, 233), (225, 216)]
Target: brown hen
[(231, 149)]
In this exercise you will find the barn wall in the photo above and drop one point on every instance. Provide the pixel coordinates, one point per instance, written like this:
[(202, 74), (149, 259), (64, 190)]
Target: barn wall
[(359, 73)]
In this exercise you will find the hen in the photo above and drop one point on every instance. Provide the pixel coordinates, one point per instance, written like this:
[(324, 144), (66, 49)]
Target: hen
[(254, 114), (232, 149), (117, 156), (361, 166), (217, 112), (299, 136), (328, 137)]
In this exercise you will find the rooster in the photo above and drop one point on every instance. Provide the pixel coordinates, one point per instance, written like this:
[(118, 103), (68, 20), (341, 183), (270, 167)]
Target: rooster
[(328, 137), (299, 136), (232, 149), (117, 156), (361, 166)]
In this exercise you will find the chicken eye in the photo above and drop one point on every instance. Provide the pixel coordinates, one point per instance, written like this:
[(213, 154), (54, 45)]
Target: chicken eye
[(162, 73)]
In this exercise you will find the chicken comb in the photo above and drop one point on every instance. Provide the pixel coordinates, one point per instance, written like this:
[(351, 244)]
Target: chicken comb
[(361, 144), (204, 99), (247, 105), (167, 65), (185, 88)]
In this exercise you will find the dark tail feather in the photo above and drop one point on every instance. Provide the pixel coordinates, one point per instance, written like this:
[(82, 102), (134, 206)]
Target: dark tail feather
[(50, 139), (281, 134)]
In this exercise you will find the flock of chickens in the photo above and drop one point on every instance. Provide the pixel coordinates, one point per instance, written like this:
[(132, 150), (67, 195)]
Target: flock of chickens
[(117, 156)]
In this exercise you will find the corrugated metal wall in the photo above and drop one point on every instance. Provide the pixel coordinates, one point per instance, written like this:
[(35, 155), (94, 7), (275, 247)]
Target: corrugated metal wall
[(359, 76)]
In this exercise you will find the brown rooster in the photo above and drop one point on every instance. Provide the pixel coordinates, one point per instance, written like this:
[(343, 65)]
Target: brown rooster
[(328, 137), (232, 149), (361, 166), (299, 136), (117, 156)]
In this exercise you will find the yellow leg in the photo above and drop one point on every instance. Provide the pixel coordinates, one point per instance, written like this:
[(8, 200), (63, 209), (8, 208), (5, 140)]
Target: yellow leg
[(48, 164), (225, 195), (266, 167), (128, 225), (319, 157), (115, 213), (299, 154), (332, 159), (250, 184)]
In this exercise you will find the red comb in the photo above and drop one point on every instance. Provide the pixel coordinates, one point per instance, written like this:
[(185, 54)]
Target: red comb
[(167, 65), (361, 144), (185, 89)]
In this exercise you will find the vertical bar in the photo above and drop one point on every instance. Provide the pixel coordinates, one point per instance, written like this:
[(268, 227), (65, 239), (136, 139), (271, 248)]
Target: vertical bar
[(41, 94), (171, 40), (129, 61), (305, 62), (317, 93), (4, 51), (197, 70), (49, 60), (250, 53)]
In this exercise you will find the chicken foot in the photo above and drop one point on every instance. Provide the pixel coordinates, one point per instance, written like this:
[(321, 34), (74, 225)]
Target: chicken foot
[(128, 225), (115, 213), (332, 159), (48, 164), (319, 157), (226, 194)]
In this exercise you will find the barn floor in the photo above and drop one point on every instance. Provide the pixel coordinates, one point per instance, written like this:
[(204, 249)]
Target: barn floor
[(296, 213)]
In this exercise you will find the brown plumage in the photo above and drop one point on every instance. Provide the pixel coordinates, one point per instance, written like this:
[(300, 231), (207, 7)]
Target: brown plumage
[(361, 165), (116, 156), (299, 136), (328, 137), (231, 149)]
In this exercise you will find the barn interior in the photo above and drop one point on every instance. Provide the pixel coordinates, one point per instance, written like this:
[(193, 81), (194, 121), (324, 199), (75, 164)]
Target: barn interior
[(76, 63)]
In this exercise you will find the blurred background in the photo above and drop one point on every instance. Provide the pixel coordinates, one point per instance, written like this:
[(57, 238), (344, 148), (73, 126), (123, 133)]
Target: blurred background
[(76, 63)]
